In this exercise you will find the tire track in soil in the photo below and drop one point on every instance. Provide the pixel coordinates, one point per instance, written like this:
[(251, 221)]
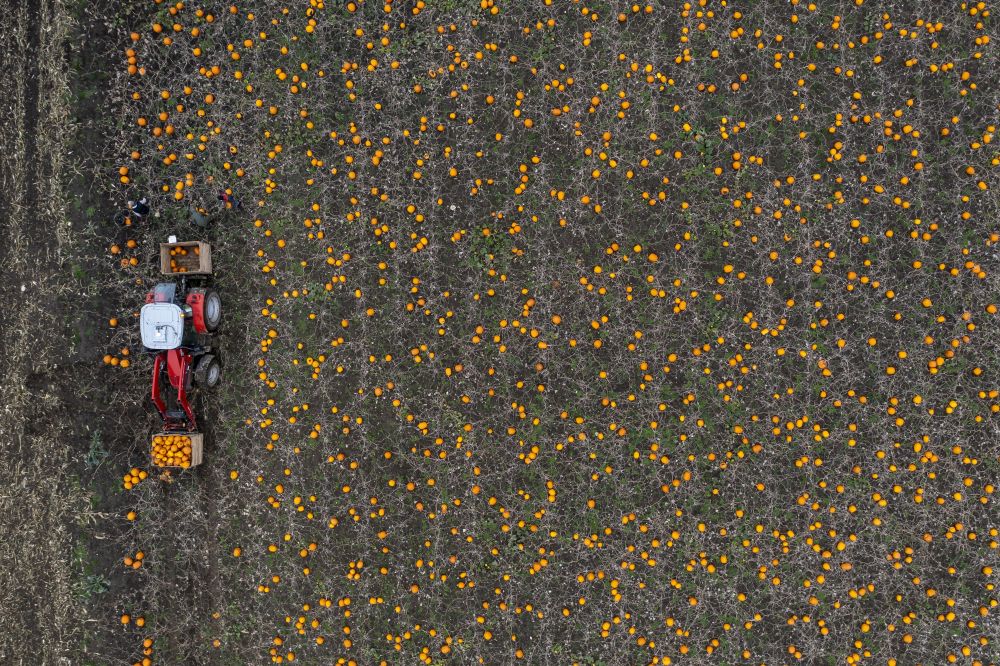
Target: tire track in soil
[(30, 127), (38, 504), (190, 588)]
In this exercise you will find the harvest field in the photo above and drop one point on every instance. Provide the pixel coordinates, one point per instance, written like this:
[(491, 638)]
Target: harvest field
[(555, 332)]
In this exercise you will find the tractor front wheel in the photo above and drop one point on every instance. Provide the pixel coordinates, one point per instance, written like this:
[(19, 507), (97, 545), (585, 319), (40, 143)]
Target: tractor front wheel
[(208, 372)]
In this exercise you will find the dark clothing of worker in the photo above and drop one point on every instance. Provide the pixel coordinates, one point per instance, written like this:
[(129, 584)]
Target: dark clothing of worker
[(139, 208)]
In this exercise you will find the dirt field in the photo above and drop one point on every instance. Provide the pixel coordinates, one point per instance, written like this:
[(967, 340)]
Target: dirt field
[(38, 499), (556, 332), (65, 430)]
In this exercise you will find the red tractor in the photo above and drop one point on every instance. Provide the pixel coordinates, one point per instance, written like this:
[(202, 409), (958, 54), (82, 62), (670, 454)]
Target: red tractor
[(174, 323)]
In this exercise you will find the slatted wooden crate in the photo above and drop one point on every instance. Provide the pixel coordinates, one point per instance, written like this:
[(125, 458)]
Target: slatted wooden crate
[(186, 257)]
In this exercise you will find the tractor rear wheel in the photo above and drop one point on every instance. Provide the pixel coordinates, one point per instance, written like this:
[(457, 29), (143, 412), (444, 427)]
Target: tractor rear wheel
[(212, 310), (208, 372)]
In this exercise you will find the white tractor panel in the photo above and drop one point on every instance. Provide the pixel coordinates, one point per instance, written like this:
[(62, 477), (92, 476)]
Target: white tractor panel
[(161, 325)]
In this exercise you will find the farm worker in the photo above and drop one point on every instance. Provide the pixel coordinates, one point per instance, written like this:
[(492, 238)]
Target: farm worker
[(139, 208), (228, 199)]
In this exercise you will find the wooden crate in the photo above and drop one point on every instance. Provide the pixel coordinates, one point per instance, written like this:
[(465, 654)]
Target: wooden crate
[(197, 448), (186, 257)]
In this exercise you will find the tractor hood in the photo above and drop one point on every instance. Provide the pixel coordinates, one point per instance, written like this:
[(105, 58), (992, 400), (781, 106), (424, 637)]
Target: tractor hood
[(161, 325)]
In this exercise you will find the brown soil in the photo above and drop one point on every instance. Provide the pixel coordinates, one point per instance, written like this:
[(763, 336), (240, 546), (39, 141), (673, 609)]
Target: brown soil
[(62, 444)]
